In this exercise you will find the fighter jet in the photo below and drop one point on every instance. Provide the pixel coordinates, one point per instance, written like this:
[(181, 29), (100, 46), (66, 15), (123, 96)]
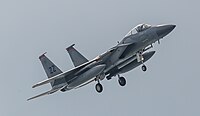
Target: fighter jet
[(131, 52)]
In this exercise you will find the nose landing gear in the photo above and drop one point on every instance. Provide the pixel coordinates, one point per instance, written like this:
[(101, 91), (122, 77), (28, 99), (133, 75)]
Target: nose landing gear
[(140, 58), (144, 68)]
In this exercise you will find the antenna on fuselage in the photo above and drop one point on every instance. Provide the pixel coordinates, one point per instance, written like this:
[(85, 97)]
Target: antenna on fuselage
[(158, 41)]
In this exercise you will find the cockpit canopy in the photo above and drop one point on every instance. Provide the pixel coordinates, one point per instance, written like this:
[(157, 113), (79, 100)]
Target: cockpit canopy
[(138, 28)]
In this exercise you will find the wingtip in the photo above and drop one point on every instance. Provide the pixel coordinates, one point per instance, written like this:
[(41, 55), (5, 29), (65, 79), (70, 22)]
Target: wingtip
[(41, 56), (34, 86), (30, 98)]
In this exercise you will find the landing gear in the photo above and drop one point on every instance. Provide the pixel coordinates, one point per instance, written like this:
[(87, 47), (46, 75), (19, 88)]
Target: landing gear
[(144, 68), (108, 78), (99, 88), (141, 59), (122, 81)]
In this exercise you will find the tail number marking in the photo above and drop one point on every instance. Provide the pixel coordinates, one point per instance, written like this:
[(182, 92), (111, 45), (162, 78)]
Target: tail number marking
[(52, 69)]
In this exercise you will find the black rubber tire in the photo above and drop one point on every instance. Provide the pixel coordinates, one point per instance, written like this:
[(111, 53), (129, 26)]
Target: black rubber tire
[(144, 68), (122, 81), (108, 78), (99, 88)]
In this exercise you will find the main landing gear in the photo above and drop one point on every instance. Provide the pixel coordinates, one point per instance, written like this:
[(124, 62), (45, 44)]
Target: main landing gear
[(121, 80), (98, 86)]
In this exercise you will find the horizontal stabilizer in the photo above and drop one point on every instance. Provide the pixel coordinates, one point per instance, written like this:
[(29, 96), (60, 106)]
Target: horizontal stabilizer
[(45, 93)]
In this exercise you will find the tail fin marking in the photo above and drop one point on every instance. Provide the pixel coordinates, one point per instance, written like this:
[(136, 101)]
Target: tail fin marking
[(50, 68)]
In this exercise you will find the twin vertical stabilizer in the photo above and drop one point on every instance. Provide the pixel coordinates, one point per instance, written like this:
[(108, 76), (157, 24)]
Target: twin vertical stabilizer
[(50, 68), (75, 56)]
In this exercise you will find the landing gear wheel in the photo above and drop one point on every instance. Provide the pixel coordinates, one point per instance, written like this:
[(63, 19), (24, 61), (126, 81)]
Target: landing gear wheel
[(144, 68), (108, 78), (99, 88), (122, 81)]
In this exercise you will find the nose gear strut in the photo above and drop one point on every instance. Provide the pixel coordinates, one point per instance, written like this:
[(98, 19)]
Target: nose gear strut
[(140, 58)]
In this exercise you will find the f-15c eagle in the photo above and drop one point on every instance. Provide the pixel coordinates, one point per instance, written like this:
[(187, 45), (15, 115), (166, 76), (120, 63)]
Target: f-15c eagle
[(129, 53)]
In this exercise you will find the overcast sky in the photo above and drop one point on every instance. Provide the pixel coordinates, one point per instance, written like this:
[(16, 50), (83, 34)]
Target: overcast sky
[(29, 28)]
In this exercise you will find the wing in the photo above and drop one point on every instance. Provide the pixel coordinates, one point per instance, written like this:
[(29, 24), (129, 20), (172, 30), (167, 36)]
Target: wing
[(117, 51), (68, 75), (59, 76), (46, 93), (88, 82)]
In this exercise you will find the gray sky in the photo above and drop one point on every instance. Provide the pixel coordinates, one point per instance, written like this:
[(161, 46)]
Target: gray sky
[(29, 28)]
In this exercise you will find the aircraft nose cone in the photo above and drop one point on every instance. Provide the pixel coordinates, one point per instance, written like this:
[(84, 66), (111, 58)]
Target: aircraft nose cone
[(164, 30)]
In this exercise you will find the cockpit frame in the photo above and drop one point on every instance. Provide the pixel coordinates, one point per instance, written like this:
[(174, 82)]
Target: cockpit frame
[(138, 28)]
